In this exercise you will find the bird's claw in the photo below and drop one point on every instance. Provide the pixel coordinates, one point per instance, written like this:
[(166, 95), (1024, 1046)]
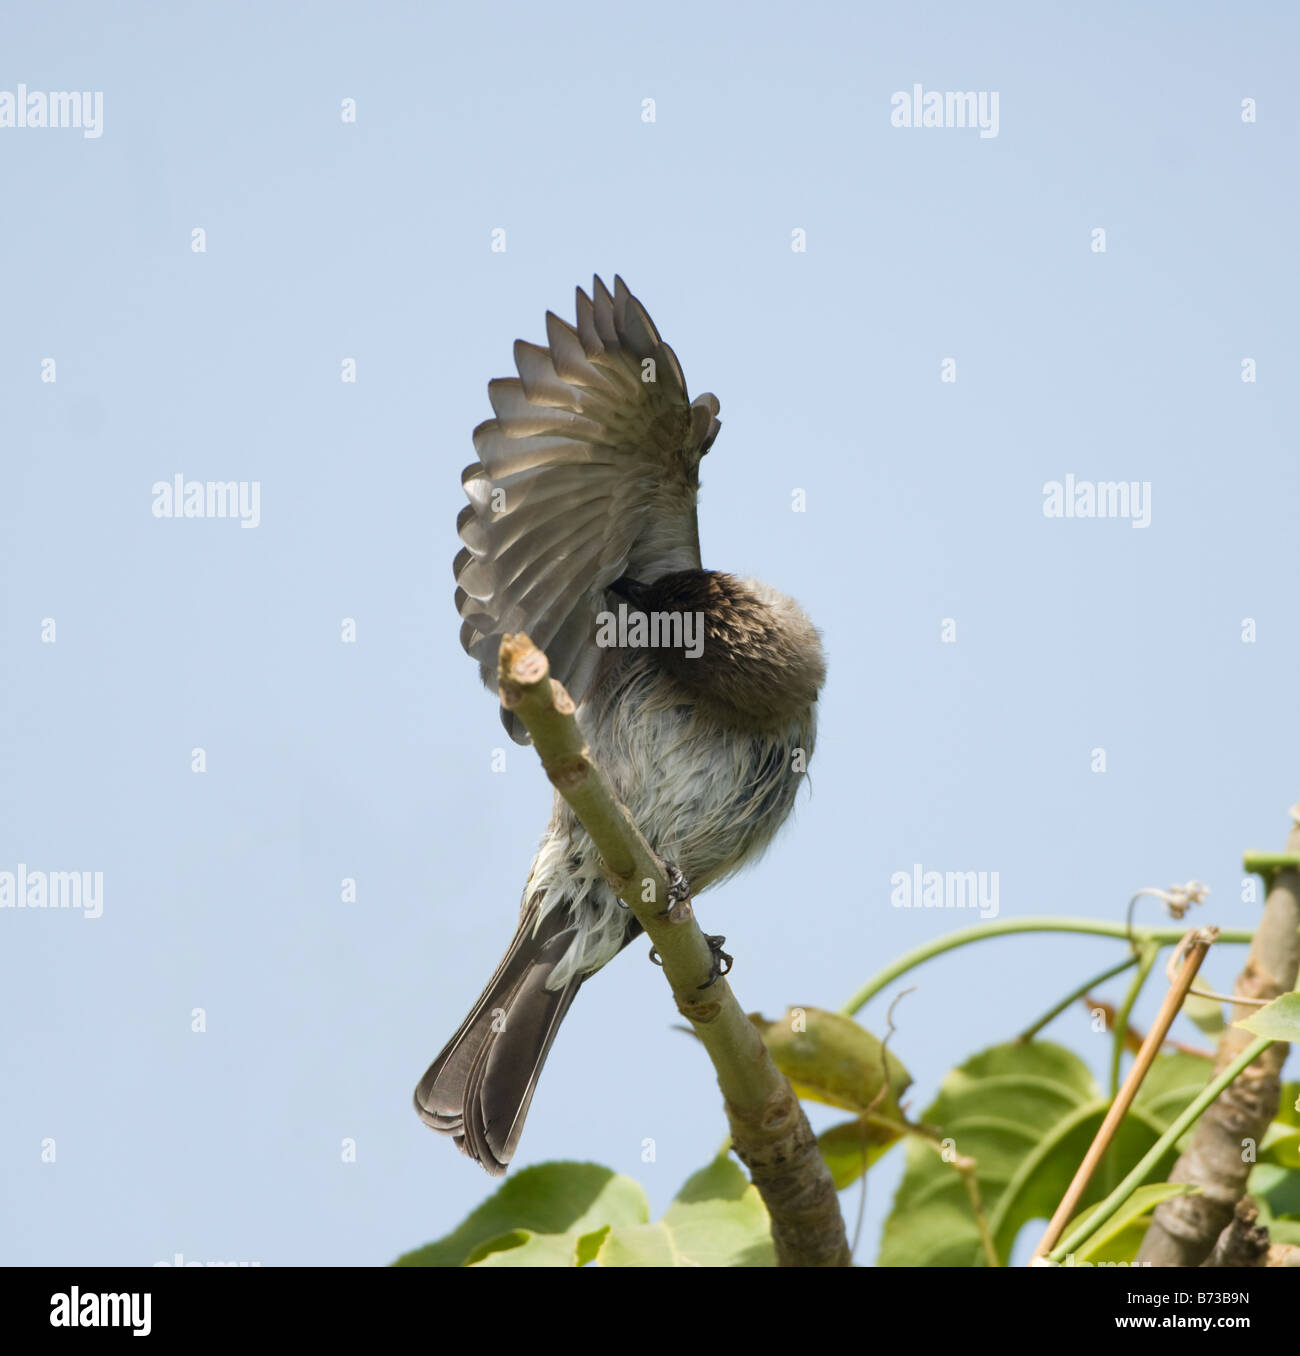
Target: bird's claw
[(679, 888), (721, 962)]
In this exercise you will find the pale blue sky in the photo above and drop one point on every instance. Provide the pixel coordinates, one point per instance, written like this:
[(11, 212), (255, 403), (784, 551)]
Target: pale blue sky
[(924, 501)]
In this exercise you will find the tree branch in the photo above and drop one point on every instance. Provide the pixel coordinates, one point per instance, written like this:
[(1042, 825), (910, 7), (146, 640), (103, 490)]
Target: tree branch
[(1200, 941), (769, 1130), (1243, 1243), (1185, 1230)]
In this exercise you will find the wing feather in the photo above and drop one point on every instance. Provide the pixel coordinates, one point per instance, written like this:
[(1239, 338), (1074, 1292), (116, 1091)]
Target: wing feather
[(587, 472)]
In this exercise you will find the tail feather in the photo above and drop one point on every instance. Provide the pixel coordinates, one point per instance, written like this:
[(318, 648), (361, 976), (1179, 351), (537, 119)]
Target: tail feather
[(479, 1088)]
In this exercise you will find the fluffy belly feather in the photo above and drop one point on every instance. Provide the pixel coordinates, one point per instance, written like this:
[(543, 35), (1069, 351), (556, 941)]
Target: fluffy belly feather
[(708, 797)]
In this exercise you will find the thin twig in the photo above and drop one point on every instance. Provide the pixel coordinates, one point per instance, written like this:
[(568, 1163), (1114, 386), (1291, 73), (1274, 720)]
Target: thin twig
[(1174, 1131), (1147, 955), (871, 1106), (1074, 995), (968, 1168), (1199, 942)]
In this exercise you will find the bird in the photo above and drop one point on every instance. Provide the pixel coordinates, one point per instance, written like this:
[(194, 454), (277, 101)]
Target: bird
[(696, 691)]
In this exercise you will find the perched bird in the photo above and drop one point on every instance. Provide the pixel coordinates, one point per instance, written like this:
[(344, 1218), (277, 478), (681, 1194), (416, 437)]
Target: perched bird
[(702, 713)]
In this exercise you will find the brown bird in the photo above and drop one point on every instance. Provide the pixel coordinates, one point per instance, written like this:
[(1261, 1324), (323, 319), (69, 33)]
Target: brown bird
[(696, 691)]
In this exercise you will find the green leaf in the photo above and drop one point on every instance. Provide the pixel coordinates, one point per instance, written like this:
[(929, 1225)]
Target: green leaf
[(1113, 1241), (1171, 1082), (717, 1220), (1280, 1145), (506, 1242), (640, 1245), (1277, 1189), (535, 1250), (1122, 1248), (1026, 1113), (589, 1245), (1288, 1109), (1283, 1224), (1280, 1020), (571, 1214), (853, 1146), (563, 1202), (1206, 1013), (830, 1058)]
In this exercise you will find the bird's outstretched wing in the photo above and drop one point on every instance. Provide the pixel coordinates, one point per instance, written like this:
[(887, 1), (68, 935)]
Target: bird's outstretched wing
[(588, 472)]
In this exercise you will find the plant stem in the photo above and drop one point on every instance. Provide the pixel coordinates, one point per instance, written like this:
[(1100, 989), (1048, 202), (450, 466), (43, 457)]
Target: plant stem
[(1164, 936), (1147, 954), (1074, 995), (1202, 940), (1126, 1188)]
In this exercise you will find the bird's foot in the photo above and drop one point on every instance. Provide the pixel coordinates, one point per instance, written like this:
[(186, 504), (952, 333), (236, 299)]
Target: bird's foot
[(679, 888), (722, 962)]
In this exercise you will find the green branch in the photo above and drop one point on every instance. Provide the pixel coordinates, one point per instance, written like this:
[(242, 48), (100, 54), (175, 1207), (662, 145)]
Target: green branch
[(1162, 936), (1147, 954), (1082, 991), (1148, 1162)]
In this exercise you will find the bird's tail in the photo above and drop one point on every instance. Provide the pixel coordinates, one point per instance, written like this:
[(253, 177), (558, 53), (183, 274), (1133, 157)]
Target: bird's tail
[(479, 1088)]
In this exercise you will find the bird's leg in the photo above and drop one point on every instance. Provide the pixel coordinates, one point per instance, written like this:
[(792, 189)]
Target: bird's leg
[(679, 896), (721, 961), (679, 891)]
